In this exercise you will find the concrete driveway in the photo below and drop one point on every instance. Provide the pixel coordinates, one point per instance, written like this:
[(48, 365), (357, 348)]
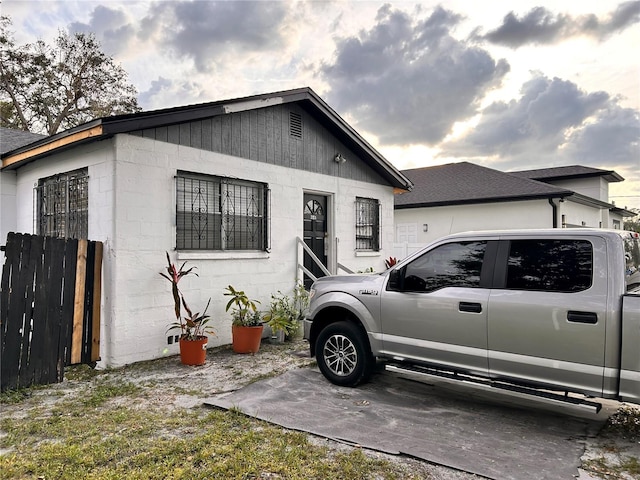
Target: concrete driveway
[(494, 434)]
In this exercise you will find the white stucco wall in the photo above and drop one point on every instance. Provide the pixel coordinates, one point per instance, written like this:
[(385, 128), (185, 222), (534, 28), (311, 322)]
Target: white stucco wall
[(594, 187), (132, 210), (444, 220), (576, 214)]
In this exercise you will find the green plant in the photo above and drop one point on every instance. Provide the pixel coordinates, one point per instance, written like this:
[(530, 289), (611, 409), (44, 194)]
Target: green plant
[(244, 311), (192, 326), (285, 313)]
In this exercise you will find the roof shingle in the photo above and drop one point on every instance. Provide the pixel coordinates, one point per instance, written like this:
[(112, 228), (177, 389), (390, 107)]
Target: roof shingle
[(464, 182)]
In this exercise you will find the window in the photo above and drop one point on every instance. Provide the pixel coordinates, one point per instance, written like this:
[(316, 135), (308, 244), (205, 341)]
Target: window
[(367, 224), (550, 265), (62, 205), (217, 213), (455, 264)]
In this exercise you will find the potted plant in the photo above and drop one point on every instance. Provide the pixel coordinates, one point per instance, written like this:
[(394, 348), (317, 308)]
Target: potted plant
[(194, 327), (285, 313), (246, 325)]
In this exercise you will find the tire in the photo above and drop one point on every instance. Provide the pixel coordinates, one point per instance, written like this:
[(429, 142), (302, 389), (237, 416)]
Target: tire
[(343, 354)]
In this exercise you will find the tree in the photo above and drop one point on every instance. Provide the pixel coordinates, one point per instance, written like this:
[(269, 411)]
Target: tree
[(633, 223), (45, 88)]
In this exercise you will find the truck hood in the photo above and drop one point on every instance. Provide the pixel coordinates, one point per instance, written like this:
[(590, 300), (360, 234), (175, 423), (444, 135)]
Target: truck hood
[(369, 284)]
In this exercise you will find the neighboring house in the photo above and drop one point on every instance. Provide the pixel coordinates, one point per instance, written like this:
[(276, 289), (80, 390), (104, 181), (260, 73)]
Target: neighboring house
[(464, 196), (228, 186), (590, 187)]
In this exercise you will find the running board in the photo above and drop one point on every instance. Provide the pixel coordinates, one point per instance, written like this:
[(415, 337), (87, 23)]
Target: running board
[(461, 377)]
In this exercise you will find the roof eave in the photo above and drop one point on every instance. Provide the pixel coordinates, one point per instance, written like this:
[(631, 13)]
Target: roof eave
[(470, 201), (28, 153)]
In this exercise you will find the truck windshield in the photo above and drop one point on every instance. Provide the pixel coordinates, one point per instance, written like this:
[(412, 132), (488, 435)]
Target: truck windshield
[(632, 257)]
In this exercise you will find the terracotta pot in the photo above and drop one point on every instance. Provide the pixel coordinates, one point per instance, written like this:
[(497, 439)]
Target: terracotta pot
[(193, 352), (246, 339)]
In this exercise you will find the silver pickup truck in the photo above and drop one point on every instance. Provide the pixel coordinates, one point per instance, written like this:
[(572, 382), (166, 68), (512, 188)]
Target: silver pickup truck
[(538, 311)]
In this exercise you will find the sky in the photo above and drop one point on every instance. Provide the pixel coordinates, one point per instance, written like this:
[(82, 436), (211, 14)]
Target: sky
[(509, 85)]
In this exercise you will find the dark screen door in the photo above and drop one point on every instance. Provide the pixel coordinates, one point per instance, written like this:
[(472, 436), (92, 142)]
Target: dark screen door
[(315, 231)]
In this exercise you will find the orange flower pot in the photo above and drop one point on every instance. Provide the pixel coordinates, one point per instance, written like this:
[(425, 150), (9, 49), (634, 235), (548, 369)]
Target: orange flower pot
[(193, 352), (246, 339)]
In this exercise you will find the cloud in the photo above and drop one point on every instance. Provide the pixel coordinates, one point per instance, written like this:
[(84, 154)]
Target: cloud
[(409, 81), (111, 27), (165, 93), (553, 123), (612, 135), (207, 32), (541, 26)]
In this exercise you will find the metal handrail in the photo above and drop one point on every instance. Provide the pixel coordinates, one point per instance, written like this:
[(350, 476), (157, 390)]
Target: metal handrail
[(313, 256), (348, 270)]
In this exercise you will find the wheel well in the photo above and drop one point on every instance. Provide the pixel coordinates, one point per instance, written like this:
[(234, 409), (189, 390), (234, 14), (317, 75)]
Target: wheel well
[(331, 315)]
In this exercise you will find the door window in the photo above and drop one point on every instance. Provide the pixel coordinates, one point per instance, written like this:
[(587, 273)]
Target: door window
[(457, 264)]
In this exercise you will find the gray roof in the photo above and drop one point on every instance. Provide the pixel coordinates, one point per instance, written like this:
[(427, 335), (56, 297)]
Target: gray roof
[(10, 139), (465, 183), (567, 173)]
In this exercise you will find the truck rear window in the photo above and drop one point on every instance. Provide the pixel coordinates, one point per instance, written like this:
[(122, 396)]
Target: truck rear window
[(550, 265), (632, 260)]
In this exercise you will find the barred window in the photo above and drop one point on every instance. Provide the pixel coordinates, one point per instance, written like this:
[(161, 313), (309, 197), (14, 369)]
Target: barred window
[(62, 205), (218, 213), (367, 224)]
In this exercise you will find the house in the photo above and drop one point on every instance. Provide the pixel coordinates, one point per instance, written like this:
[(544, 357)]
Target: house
[(235, 188), (591, 189), (463, 196)]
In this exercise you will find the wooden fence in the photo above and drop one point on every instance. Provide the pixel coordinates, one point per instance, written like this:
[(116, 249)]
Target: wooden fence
[(49, 308)]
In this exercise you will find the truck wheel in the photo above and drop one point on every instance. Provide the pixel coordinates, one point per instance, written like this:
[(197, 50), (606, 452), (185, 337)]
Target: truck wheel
[(343, 354)]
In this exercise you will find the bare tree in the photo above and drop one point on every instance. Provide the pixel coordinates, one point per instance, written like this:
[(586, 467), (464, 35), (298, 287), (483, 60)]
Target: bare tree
[(45, 88)]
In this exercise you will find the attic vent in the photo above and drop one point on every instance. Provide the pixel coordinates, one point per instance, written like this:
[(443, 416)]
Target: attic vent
[(295, 124)]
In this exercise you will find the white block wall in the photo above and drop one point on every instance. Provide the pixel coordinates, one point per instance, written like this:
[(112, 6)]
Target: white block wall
[(7, 207), (132, 210)]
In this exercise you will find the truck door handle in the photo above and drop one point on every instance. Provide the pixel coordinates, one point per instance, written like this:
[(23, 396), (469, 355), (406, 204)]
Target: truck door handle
[(470, 307), (582, 317)]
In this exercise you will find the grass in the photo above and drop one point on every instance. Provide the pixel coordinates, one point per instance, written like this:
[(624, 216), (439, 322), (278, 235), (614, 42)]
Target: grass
[(107, 427), (97, 439)]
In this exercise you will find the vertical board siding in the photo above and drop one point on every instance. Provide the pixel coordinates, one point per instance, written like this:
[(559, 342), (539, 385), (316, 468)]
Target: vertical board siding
[(263, 135), (44, 325)]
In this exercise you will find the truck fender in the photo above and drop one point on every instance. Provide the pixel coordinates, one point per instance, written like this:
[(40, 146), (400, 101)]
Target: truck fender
[(327, 310)]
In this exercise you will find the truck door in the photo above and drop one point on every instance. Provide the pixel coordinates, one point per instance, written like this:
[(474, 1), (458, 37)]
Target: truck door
[(434, 309), (547, 317)]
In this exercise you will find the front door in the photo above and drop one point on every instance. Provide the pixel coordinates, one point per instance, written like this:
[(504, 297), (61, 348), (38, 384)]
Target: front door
[(315, 233)]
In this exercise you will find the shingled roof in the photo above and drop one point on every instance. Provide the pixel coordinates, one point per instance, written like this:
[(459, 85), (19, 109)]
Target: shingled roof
[(567, 173), (10, 139), (465, 183)]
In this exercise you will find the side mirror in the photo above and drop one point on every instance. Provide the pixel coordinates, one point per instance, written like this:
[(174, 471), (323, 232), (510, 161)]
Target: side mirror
[(395, 279)]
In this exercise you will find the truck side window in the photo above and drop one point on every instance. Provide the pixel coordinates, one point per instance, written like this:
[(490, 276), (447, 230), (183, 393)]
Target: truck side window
[(450, 265), (550, 265)]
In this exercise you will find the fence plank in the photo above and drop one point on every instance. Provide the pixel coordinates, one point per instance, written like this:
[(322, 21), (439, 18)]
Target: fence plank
[(97, 296), (47, 316), (78, 307), (13, 307), (68, 290), (36, 367), (33, 247)]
